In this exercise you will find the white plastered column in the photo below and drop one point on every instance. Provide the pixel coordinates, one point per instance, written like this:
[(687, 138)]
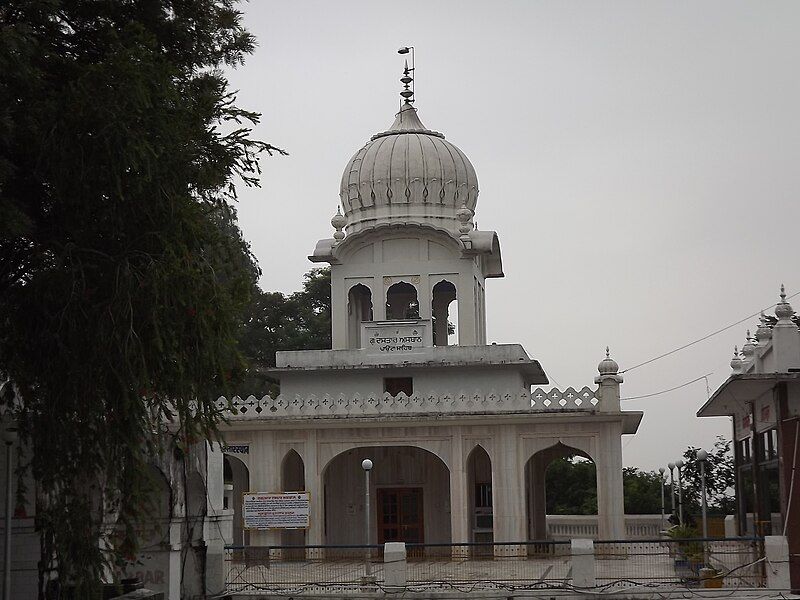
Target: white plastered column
[(265, 476), (314, 486), (507, 487), (459, 498), (610, 499)]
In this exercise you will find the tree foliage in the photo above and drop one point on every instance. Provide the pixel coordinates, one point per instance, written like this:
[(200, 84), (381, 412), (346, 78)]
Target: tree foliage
[(720, 478), (275, 321), (123, 274), (571, 485)]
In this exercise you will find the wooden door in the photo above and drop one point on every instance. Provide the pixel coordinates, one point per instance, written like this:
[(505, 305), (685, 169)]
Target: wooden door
[(400, 515)]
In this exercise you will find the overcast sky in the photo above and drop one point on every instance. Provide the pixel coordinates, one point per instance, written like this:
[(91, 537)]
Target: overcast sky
[(640, 162)]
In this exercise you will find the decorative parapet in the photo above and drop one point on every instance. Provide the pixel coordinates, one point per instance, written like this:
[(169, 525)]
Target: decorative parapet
[(570, 400)]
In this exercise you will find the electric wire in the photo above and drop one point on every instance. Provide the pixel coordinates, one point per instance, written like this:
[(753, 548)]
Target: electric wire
[(704, 338), (672, 389)]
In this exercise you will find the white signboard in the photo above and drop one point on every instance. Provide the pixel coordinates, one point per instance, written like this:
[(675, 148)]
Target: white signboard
[(389, 339), (278, 510)]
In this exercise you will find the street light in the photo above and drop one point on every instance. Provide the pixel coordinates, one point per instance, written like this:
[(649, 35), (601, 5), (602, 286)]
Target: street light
[(671, 488), (661, 471), (679, 464), (702, 456), (366, 464), (9, 437)]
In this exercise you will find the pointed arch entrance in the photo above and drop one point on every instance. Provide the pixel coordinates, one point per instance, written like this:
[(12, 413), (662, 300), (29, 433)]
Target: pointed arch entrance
[(409, 496), (479, 495), (293, 479), (564, 468), (236, 478)]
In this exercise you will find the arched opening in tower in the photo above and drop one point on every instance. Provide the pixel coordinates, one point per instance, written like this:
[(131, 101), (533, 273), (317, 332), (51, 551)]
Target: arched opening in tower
[(359, 310), (402, 302), (445, 329)]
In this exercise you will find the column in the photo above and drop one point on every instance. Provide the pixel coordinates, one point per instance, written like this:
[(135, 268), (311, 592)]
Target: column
[(610, 499), (537, 470), (314, 486), (459, 496), (508, 490)]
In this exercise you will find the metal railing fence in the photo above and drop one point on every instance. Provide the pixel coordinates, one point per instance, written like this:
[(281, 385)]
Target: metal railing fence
[(657, 562), (489, 565), (300, 568), (731, 562)]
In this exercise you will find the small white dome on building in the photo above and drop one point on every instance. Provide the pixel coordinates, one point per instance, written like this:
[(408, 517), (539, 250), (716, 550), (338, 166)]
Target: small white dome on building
[(608, 366), (408, 174)]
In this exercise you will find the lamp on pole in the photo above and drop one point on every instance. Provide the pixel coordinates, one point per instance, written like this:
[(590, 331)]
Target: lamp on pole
[(702, 456), (366, 464), (679, 465), (661, 481), (9, 437), (671, 488)]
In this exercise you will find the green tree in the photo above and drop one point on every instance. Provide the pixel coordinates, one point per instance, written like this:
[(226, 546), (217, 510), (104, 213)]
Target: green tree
[(123, 274), (571, 487), (642, 491), (275, 321), (720, 478)]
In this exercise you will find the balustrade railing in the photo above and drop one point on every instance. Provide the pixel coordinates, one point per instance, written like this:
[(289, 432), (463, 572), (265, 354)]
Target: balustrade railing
[(539, 400)]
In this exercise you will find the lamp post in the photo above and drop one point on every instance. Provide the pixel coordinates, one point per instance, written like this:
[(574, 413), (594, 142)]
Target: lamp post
[(671, 488), (661, 480), (9, 437), (366, 464), (702, 456), (679, 465)]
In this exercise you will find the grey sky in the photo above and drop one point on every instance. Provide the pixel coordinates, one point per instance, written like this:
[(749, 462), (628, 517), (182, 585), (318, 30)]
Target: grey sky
[(639, 161)]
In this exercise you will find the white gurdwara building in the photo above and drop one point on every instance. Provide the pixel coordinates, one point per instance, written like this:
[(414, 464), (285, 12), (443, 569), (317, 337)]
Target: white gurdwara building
[(460, 433)]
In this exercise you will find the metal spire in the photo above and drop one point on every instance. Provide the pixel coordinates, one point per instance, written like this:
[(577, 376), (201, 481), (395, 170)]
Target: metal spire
[(408, 76)]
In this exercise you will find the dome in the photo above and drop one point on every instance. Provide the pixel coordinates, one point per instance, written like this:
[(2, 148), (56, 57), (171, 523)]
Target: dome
[(608, 366), (407, 174)]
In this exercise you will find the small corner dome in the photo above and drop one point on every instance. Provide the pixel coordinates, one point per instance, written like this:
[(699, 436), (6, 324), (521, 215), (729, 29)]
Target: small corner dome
[(407, 174), (608, 366)]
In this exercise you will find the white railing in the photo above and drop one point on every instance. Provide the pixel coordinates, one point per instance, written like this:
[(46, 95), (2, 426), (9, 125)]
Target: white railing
[(539, 400), (567, 527)]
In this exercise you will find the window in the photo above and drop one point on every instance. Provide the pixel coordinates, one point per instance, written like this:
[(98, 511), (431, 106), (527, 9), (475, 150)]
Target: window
[(395, 385), (483, 506)]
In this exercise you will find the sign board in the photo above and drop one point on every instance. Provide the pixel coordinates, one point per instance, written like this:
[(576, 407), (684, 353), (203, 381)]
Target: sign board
[(390, 338), (765, 413), (236, 448), (276, 510)]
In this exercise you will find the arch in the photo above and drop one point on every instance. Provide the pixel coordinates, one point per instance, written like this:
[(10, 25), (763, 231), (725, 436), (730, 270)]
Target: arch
[(402, 302), (445, 331), (409, 494), (293, 479), (236, 478), (359, 310), (540, 502), (479, 495)]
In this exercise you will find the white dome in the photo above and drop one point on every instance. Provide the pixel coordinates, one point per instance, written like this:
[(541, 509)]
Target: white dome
[(407, 174)]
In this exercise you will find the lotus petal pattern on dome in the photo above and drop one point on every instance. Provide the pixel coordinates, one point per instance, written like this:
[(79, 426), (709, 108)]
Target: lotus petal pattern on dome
[(407, 174)]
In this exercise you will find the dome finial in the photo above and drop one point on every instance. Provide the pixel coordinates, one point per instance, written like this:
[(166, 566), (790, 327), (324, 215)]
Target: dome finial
[(784, 310), (338, 221), (736, 361), (608, 366), (408, 75)]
